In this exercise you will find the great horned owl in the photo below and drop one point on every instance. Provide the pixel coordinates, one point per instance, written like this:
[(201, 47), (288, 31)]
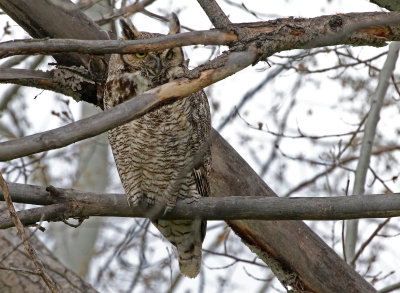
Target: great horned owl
[(165, 154)]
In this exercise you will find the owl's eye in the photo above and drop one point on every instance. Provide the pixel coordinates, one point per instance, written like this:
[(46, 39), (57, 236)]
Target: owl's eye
[(170, 55), (140, 54)]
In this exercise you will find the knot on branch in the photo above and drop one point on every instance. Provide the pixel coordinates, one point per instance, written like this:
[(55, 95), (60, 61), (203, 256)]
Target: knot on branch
[(335, 23), (53, 191)]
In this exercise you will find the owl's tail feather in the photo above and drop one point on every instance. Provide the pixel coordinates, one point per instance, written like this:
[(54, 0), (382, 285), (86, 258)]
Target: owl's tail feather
[(187, 236), (190, 261)]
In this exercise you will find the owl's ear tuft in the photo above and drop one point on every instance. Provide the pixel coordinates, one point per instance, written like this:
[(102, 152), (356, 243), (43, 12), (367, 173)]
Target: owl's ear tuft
[(174, 25), (128, 30)]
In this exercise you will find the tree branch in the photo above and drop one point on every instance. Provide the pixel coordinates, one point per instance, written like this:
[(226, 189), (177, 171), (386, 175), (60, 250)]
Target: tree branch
[(21, 232), (217, 17), (296, 255), (65, 12), (68, 203), (53, 46), (38, 19), (231, 63), (126, 11), (39, 79), (126, 111), (368, 141), (16, 264), (388, 4), (266, 38), (270, 36)]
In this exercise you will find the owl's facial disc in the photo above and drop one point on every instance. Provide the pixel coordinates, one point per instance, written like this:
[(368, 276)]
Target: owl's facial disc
[(159, 63), (154, 65)]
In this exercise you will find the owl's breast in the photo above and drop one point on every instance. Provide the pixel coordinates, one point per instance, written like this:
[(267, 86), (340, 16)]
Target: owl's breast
[(124, 87), (150, 151)]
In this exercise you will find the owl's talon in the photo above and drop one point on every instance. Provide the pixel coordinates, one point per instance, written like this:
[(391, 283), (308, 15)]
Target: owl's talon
[(133, 201), (166, 210), (169, 207)]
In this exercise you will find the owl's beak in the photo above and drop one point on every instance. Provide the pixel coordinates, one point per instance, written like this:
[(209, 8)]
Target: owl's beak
[(158, 65)]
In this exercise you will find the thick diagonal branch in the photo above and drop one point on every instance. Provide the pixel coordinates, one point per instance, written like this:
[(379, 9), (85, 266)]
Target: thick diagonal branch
[(124, 112)]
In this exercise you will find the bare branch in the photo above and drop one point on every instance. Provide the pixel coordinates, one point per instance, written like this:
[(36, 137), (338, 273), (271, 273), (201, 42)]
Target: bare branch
[(273, 241), (69, 203), (126, 11), (53, 46), (390, 288), (388, 4), (354, 28), (65, 12), (35, 78), (266, 38), (367, 142), (126, 111), (13, 61), (217, 17), (21, 232), (15, 259)]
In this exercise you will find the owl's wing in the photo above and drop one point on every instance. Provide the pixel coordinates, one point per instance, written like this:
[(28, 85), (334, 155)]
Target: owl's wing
[(203, 187), (201, 179), (201, 121)]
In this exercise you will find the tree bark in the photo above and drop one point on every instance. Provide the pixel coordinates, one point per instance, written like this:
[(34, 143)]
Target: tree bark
[(59, 203), (297, 256), (15, 261)]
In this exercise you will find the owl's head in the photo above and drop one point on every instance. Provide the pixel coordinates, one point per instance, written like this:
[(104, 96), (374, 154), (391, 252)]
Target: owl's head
[(156, 66)]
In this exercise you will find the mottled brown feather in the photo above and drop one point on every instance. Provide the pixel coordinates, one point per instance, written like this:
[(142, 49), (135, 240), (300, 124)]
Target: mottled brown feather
[(164, 155)]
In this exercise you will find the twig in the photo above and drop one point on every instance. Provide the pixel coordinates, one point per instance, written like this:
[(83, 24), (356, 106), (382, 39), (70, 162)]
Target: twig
[(237, 259), (15, 247), (368, 241), (21, 232), (162, 18), (126, 11), (333, 167), (142, 258), (13, 61), (251, 93), (19, 271)]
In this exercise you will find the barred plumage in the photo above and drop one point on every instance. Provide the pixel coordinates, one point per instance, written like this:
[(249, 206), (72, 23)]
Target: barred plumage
[(165, 154)]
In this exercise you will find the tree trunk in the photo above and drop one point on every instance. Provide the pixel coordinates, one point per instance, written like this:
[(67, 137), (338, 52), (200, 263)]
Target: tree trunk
[(14, 256)]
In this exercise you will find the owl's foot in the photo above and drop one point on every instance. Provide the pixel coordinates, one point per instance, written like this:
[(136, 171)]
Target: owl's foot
[(168, 208), (171, 203), (134, 200)]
